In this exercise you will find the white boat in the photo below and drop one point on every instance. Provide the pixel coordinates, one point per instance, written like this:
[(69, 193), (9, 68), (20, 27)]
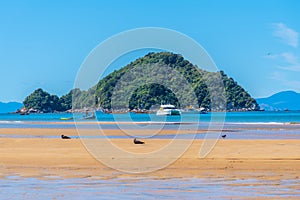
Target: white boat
[(168, 110)]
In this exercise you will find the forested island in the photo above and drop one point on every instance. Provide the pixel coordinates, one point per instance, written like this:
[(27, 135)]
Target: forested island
[(149, 94)]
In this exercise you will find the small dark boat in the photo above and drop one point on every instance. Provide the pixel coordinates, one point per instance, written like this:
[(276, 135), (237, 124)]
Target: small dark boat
[(223, 136), (136, 141), (203, 112), (89, 117)]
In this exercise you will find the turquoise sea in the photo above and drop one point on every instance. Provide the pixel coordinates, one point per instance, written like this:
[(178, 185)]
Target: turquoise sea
[(230, 117)]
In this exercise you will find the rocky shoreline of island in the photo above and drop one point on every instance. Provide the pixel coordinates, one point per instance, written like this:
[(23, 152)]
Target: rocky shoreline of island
[(26, 111)]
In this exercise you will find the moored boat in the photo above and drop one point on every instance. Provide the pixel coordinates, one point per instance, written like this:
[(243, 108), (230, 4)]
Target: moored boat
[(168, 110), (89, 117)]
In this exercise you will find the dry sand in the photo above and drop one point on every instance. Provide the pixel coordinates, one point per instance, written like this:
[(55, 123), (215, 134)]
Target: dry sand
[(42, 157)]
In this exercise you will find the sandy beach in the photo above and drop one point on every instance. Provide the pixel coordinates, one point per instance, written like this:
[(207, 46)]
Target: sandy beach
[(42, 157)]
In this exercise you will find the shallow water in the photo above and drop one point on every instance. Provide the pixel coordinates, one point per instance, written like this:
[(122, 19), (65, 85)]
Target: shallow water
[(236, 117), (245, 135), (232, 130), (14, 187)]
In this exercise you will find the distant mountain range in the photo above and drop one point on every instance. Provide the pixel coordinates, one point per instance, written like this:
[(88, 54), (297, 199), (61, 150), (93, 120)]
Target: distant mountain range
[(286, 100), (10, 107)]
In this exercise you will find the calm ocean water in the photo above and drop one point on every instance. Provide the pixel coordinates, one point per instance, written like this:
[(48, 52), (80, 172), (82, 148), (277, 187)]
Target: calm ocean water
[(231, 117)]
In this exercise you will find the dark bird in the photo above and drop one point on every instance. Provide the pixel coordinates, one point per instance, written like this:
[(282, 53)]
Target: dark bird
[(65, 137), (223, 136), (135, 141)]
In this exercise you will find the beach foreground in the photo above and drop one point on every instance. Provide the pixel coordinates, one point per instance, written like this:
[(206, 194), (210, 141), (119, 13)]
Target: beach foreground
[(43, 157)]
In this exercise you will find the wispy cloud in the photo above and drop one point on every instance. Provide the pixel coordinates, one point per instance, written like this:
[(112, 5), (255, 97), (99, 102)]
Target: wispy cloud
[(288, 60), (288, 35), (290, 57), (285, 80), (292, 62)]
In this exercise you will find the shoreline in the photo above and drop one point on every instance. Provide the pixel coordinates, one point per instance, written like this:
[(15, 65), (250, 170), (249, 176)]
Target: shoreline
[(80, 122)]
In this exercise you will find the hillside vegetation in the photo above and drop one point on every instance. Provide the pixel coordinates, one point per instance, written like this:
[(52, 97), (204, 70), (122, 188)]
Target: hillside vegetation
[(127, 88)]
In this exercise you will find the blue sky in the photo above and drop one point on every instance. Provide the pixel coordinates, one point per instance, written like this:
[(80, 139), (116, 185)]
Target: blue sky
[(43, 43)]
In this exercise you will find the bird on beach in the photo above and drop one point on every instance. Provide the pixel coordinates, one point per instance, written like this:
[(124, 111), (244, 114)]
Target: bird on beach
[(65, 137), (136, 141), (223, 136)]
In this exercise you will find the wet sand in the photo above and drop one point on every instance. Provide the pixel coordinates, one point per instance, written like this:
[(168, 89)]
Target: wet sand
[(42, 157), (73, 132)]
